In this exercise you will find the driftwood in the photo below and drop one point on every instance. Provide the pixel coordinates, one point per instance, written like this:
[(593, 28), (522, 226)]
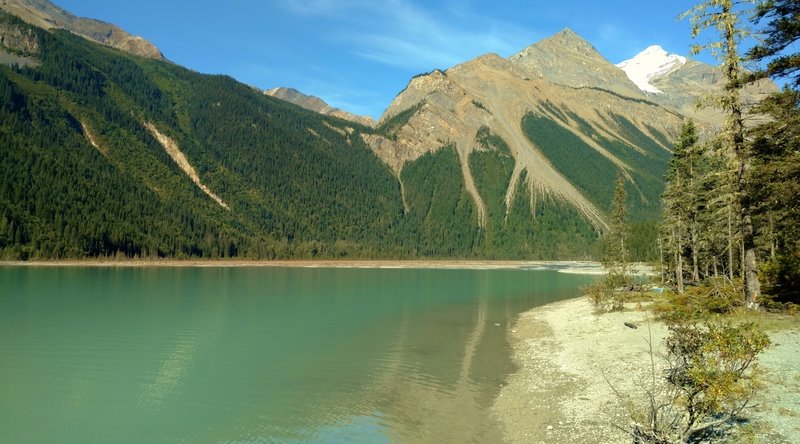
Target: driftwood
[(631, 325)]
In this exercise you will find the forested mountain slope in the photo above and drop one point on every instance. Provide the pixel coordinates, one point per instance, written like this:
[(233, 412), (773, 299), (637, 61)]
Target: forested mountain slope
[(82, 175), (103, 153), (533, 152)]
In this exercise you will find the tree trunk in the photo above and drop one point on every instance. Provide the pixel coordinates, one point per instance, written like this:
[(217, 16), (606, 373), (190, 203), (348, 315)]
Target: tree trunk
[(772, 240), (695, 267), (661, 259), (752, 286), (678, 257), (730, 245)]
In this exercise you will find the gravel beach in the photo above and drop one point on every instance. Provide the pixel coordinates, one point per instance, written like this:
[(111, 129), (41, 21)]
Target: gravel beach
[(579, 372)]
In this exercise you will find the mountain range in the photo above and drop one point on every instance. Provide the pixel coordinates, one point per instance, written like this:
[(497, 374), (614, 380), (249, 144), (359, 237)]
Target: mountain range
[(108, 150)]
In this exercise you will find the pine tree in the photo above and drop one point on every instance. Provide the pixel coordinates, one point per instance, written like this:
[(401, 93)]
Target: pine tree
[(725, 16), (616, 254)]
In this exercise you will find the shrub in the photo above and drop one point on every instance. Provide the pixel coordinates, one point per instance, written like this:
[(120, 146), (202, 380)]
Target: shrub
[(610, 293), (710, 378), (713, 296)]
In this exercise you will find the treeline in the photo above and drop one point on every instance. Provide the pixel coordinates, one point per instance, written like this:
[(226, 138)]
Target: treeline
[(730, 206)]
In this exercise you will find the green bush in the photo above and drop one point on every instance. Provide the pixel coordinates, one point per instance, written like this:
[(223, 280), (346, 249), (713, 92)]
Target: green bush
[(611, 293), (713, 296), (710, 378)]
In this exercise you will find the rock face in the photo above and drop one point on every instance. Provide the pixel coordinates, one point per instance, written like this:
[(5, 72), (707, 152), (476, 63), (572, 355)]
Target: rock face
[(561, 80), (693, 81), (317, 105), (570, 118), (46, 15), (16, 38), (567, 59)]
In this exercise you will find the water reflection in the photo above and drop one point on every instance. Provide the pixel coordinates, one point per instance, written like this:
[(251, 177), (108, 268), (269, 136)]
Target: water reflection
[(258, 355), (428, 399)]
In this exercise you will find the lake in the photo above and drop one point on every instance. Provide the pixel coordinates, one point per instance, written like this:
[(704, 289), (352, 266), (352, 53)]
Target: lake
[(259, 354)]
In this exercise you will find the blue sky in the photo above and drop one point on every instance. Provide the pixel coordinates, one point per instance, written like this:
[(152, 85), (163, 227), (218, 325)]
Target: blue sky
[(358, 54)]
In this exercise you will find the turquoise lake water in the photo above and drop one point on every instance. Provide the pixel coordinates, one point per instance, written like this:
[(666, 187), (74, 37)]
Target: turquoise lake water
[(259, 354)]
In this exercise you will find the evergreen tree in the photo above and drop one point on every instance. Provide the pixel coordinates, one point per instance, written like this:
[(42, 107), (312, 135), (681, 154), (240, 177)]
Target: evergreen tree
[(719, 231), (776, 144), (681, 204), (776, 185), (616, 254), (609, 293), (725, 16), (782, 31)]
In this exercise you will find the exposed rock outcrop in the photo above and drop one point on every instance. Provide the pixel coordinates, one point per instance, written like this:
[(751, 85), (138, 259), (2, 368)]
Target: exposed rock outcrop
[(686, 85), (46, 15), (180, 159), (18, 38), (567, 59), (450, 107)]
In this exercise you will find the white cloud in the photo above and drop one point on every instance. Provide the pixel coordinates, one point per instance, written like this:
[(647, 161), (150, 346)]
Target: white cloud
[(402, 34), (324, 7)]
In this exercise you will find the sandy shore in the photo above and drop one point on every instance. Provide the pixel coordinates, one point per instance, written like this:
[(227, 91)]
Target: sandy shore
[(572, 362)]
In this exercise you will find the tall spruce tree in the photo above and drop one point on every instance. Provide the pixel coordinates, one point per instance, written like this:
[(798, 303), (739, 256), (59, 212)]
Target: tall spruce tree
[(726, 18), (776, 144), (609, 294), (615, 256), (680, 228), (719, 185)]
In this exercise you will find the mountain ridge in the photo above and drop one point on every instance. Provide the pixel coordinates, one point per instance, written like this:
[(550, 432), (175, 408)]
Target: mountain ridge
[(316, 104), (566, 58), (45, 14), (451, 107), (109, 154)]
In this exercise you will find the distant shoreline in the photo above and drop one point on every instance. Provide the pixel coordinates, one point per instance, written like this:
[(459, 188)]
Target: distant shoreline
[(588, 266), (571, 267)]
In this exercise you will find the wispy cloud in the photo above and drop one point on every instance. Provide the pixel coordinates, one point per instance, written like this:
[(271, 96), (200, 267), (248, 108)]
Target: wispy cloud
[(617, 43), (609, 32), (403, 34)]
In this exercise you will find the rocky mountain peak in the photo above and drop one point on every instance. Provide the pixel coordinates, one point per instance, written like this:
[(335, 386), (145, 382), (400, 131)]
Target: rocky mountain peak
[(45, 14), (565, 58), (571, 41)]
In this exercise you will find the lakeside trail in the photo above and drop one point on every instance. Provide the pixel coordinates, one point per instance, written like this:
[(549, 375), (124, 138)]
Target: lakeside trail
[(572, 361)]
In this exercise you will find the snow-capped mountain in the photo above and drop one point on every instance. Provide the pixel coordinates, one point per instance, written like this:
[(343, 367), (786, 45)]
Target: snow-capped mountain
[(650, 64)]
